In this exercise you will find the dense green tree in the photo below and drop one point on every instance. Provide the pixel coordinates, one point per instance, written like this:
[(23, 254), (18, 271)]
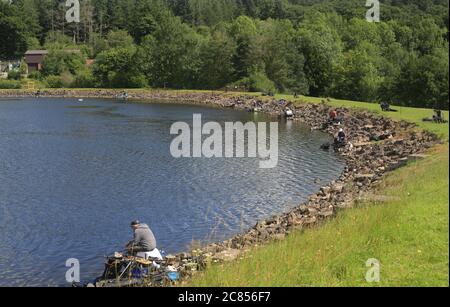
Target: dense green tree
[(206, 12), (30, 16), (217, 61), (149, 16), (13, 33), (119, 67), (59, 61), (119, 39), (315, 47), (58, 40), (428, 36), (275, 45), (359, 77), (424, 81), (97, 44), (322, 49), (172, 55), (272, 9), (248, 51)]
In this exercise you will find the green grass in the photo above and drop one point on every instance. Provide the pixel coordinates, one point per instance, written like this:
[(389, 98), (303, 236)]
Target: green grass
[(409, 236)]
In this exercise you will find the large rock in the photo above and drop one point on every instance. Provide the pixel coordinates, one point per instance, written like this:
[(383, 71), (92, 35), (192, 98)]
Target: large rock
[(364, 177), (338, 187), (227, 255)]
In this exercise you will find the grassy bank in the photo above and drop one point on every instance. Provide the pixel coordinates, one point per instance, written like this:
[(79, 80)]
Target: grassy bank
[(408, 234)]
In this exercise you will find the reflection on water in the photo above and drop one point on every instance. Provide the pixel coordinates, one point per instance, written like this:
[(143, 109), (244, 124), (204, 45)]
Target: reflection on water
[(72, 177)]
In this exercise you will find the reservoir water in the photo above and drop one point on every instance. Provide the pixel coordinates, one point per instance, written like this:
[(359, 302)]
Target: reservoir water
[(73, 175)]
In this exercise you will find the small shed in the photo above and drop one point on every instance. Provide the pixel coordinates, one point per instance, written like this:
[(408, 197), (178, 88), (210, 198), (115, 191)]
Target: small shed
[(34, 59)]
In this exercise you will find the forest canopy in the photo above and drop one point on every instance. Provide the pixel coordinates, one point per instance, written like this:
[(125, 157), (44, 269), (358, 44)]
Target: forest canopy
[(310, 47)]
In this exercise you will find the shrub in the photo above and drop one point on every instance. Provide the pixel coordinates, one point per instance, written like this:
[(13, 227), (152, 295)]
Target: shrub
[(59, 61), (53, 81), (14, 75), (36, 75), (257, 82), (84, 79), (10, 84), (67, 79), (119, 68)]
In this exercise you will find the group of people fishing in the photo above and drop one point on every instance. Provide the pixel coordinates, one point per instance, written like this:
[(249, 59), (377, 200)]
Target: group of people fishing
[(438, 116), (341, 138)]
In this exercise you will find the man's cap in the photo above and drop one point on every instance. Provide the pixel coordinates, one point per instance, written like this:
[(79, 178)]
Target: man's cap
[(135, 222)]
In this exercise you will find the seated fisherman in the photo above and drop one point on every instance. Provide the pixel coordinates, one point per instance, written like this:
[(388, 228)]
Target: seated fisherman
[(385, 106), (144, 240), (341, 138), (333, 115), (437, 117)]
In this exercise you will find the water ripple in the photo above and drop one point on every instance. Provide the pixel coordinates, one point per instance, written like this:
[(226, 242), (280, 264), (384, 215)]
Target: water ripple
[(73, 178)]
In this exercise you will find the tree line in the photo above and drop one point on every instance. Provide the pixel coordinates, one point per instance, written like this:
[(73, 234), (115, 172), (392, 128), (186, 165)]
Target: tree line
[(309, 47)]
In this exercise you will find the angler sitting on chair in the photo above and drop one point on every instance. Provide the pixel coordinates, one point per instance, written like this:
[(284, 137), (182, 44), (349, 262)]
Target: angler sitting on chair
[(438, 117), (144, 241), (385, 107), (341, 139)]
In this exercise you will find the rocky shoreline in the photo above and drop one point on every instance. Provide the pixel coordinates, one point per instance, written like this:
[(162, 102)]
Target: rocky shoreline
[(377, 145)]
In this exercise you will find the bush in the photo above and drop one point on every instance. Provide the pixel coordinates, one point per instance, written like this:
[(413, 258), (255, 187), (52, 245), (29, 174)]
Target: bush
[(59, 61), (10, 84), (119, 68), (84, 79), (138, 81), (66, 79), (14, 75), (35, 75), (257, 82), (53, 81)]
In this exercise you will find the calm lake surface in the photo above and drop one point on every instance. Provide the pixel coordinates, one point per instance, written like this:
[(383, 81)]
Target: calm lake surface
[(73, 175)]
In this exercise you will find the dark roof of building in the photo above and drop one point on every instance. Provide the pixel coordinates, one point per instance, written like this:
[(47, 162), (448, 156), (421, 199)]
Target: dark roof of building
[(36, 52)]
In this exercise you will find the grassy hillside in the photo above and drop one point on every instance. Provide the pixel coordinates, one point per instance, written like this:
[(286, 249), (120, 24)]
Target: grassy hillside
[(408, 234)]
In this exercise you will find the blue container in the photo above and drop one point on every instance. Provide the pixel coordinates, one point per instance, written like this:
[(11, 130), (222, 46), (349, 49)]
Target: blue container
[(173, 276)]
